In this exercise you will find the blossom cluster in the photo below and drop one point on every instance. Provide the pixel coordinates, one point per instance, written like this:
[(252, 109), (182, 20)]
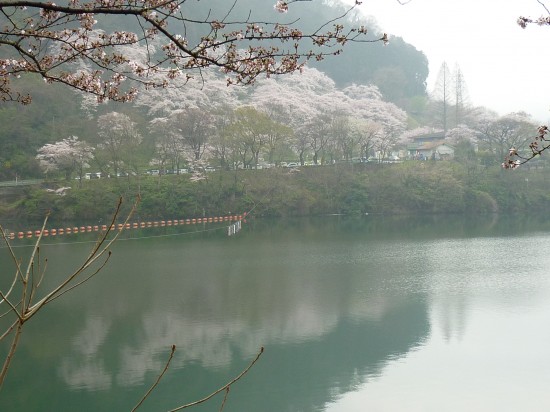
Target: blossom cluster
[(541, 21), (56, 40), (68, 154), (537, 146), (281, 6)]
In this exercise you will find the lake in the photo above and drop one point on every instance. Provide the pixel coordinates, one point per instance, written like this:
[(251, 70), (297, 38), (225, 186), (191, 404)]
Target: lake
[(355, 314)]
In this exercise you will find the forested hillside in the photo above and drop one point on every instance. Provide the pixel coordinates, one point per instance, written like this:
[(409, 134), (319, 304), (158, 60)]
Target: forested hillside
[(56, 113)]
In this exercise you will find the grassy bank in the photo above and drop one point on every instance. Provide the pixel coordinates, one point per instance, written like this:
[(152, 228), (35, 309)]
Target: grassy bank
[(406, 188)]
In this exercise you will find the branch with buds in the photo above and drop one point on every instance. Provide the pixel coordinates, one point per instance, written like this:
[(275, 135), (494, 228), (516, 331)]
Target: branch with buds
[(523, 22), (540, 143)]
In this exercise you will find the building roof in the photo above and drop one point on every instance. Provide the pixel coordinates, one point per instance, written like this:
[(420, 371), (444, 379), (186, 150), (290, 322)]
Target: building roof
[(435, 136), (427, 145)]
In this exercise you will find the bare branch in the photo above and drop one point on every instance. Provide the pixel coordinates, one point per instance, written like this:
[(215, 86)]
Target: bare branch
[(9, 329), (29, 283), (225, 398), (544, 6), (11, 305), (158, 379), (15, 261), (223, 388), (99, 250), (11, 352)]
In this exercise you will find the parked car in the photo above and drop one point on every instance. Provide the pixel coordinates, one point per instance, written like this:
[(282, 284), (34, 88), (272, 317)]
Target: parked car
[(95, 175)]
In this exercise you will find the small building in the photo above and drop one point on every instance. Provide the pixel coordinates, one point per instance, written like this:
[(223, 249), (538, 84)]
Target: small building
[(430, 147)]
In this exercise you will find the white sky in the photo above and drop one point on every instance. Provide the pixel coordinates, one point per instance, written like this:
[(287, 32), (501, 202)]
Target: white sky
[(506, 68)]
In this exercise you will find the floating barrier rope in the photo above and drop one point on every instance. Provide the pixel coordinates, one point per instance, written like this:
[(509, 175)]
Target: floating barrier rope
[(135, 225)]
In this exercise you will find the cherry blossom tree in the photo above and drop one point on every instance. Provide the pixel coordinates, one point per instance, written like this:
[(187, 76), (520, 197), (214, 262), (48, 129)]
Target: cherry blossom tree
[(365, 133), (300, 145), (169, 145), (208, 91), (343, 142), (277, 138), (68, 156), (462, 132), (319, 134), (370, 106), (119, 144), (310, 103), (292, 99), (194, 127), (387, 139), (385, 122), (362, 91), (407, 135), (296, 101), (67, 43)]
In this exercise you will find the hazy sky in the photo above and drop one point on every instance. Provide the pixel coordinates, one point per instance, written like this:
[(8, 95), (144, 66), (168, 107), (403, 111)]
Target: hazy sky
[(506, 68)]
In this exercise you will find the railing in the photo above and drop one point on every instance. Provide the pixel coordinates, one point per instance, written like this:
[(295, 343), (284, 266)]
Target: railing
[(15, 183)]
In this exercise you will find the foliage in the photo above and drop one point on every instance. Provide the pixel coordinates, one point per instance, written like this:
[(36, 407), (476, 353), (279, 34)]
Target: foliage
[(25, 129), (433, 187)]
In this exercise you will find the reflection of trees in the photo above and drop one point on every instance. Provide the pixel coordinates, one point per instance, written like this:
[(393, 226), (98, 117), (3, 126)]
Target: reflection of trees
[(328, 316), (321, 328), (304, 377), (450, 316)]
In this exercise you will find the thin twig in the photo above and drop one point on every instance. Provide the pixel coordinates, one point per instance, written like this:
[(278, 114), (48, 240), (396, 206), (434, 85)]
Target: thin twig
[(225, 398), (544, 5), (17, 263), (99, 249), (158, 379), (25, 278), (9, 330), (83, 280), (13, 308), (223, 387), (11, 352)]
